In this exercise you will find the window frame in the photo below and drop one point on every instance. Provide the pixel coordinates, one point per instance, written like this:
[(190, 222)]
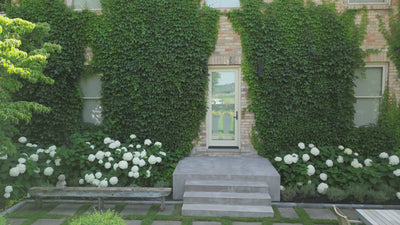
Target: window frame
[(387, 2), (222, 8), (384, 68), (86, 99), (70, 3)]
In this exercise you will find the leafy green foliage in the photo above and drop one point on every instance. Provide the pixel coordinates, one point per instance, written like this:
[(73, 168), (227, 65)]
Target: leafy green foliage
[(299, 62), (100, 218), (64, 68), (389, 117), (154, 68), (18, 65)]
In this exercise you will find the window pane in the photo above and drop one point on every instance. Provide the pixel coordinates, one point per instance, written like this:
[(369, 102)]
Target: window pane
[(367, 1), (367, 111), (223, 3), (87, 4), (371, 84), (91, 86), (92, 111)]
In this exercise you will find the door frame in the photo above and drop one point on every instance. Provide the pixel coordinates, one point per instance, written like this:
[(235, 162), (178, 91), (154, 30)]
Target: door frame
[(229, 143)]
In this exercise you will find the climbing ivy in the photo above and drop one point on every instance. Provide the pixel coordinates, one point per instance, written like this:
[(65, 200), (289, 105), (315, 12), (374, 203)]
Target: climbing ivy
[(153, 56), (299, 62), (64, 68)]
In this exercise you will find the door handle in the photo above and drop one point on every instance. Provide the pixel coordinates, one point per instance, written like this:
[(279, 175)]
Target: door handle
[(236, 115)]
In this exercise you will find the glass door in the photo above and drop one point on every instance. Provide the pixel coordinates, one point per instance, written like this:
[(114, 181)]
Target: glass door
[(223, 113)]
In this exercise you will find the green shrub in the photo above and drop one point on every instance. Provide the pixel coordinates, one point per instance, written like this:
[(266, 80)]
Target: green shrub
[(98, 218), (307, 191), (2, 221), (335, 194), (289, 193)]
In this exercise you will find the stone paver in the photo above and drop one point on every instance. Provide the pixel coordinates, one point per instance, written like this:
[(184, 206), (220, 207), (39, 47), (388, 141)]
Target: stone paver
[(320, 213), (350, 213), (66, 209), (163, 222), (30, 208), (206, 223), (106, 207), (133, 222), (287, 224), (14, 221), (288, 212), (136, 209), (246, 223), (169, 209), (48, 222)]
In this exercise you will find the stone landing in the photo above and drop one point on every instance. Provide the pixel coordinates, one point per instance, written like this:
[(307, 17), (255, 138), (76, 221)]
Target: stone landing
[(237, 186)]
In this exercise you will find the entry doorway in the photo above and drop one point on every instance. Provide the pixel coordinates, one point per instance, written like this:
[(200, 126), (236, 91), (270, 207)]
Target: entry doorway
[(223, 116)]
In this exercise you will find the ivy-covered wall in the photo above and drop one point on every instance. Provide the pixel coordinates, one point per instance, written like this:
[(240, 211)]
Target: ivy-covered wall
[(299, 63), (153, 58), (63, 97)]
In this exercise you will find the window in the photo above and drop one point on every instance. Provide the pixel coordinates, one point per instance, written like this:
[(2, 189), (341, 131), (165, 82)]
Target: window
[(91, 89), (223, 3), (369, 1), (368, 92), (86, 4)]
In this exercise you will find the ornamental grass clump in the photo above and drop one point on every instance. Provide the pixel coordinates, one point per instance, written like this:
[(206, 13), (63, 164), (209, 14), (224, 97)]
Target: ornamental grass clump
[(340, 168)]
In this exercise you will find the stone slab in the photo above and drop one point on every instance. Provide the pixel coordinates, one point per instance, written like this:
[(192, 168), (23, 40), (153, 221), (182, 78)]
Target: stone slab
[(136, 209), (227, 167), (320, 213), (206, 223), (246, 223), (287, 224), (48, 222), (29, 208), (288, 212), (350, 213), (169, 209), (14, 221), (165, 222), (66, 209), (133, 222)]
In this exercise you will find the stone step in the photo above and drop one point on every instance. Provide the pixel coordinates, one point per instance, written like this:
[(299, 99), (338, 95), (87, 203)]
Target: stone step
[(226, 186), (229, 198), (216, 210)]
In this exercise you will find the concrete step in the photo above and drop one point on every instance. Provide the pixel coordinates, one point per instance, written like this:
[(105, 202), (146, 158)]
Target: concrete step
[(226, 186), (230, 198), (217, 210)]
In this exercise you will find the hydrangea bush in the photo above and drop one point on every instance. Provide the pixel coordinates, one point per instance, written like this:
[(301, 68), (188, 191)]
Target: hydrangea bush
[(92, 160), (337, 167)]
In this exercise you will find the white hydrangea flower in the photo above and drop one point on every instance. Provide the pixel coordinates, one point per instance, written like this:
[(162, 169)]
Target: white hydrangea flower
[(89, 178), (4, 157), (88, 143), (107, 165), (138, 146), (340, 159), (98, 175), (40, 150), (398, 195), (348, 151), (158, 144), (57, 162), (341, 147), (278, 159), (48, 171), (142, 163), (288, 159), (158, 159), (396, 172), (30, 145), (355, 163), (53, 148), (152, 160), (143, 153), (310, 170), (8, 189), (127, 156), (52, 154), (130, 174), (135, 169), (305, 157), (299, 183), (123, 164), (37, 170), (135, 174), (100, 155), (92, 146), (21, 168), (136, 160), (107, 141), (322, 188), (309, 182), (147, 142), (114, 145), (107, 154), (311, 145), (329, 163), (91, 157), (115, 166), (383, 155), (96, 182), (22, 140), (163, 153), (282, 188), (100, 161), (103, 183), (368, 162), (355, 153), (81, 181), (148, 173), (315, 151), (7, 195), (393, 160), (113, 180), (323, 176), (124, 149), (110, 159), (301, 145), (34, 157), (132, 136), (295, 157), (48, 161), (22, 160), (34, 145), (130, 146)]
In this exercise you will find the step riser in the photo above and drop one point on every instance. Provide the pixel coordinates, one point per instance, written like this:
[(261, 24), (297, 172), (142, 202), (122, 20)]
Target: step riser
[(228, 201), (240, 189)]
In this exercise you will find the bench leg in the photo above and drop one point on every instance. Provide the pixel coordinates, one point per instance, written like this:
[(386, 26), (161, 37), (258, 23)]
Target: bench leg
[(162, 203), (38, 202), (101, 203)]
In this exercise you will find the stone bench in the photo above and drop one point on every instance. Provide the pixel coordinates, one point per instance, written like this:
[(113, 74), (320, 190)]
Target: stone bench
[(38, 193)]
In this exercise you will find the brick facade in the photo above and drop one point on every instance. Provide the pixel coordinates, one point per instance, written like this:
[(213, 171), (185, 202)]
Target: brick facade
[(228, 52)]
